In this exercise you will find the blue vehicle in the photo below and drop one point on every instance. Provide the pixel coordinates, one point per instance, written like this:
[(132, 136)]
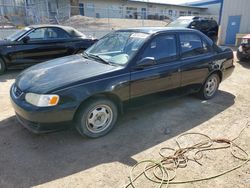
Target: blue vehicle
[(91, 88)]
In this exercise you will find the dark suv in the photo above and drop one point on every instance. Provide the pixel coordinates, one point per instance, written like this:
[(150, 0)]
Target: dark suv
[(207, 26)]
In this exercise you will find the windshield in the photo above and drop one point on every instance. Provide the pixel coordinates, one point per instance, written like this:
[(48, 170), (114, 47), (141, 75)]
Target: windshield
[(179, 23), (17, 34), (117, 47)]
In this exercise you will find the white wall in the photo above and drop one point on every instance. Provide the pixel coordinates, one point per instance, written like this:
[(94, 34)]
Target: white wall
[(118, 8)]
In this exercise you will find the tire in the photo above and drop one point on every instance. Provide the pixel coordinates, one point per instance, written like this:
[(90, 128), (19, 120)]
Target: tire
[(2, 67), (210, 87), (96, 117)]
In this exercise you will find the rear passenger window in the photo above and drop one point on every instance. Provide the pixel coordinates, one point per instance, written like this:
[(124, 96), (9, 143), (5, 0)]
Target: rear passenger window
[(162, 48), (192, 45)]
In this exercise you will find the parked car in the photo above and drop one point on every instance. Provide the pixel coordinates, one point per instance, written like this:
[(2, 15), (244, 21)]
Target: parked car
[(91, 88), (35, 44), (243, 52), (207, 26)]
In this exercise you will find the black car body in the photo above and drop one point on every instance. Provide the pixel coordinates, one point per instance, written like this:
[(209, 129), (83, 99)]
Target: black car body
[(35, 44), (243, 52), (150, 60), (207, 26)]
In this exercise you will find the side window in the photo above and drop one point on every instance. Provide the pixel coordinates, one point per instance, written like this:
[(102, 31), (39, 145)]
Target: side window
[(37, 34), (161, 48), (204, 24), (192, 45), (195, 25), (55, 33)]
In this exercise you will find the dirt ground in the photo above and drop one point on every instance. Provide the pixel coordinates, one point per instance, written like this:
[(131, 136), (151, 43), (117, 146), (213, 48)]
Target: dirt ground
[(64, 159)]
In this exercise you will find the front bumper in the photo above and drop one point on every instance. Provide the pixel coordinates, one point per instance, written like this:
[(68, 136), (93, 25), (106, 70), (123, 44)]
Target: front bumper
[(41, 119)]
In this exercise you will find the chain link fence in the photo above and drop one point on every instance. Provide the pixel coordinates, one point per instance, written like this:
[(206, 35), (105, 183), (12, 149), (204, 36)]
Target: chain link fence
[(93, 21)]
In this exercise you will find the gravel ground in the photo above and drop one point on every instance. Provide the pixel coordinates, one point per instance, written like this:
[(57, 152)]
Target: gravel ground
[(64, 159)]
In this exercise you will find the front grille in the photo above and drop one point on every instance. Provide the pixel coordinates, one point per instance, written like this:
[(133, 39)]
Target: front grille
[(16, 91)]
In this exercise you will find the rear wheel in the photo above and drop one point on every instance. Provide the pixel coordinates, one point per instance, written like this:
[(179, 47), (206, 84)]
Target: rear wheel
[(96, 118), (2, 67), (210, 87)]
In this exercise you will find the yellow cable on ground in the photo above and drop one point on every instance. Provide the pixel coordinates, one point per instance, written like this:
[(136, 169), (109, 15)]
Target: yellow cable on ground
[(181, 157)]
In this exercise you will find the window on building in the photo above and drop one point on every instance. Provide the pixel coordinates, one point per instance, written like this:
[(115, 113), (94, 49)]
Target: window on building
[(170, 12), (131, 12), (192, 45), (90, 6), (183, 13)]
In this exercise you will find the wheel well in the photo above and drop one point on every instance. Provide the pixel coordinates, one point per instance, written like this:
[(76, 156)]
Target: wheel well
[(219, 73), (114, 98)]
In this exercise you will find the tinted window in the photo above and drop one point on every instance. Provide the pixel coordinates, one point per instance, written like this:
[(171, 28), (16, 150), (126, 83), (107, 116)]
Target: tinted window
[(48, 34), (192, 45), (204, 25), (196, 24), (55, 33), (162, 48), (37, 34)]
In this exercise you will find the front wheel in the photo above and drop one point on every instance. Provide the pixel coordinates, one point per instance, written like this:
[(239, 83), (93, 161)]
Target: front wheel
[(210, 87), (96, 117)]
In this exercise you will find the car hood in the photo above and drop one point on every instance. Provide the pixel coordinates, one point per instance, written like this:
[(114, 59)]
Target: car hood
[(60, 72), (5, 42)]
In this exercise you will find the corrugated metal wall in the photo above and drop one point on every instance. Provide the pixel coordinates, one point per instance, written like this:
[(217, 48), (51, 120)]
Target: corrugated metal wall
[(235, 8)]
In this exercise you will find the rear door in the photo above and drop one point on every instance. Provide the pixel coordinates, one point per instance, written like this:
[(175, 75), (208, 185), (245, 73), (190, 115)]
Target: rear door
[(44, 44), (164, 75), (196, 56)]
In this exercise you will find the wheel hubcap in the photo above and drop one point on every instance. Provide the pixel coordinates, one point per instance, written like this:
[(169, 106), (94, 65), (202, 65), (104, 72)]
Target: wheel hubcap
[(211, 86), (99, 118)]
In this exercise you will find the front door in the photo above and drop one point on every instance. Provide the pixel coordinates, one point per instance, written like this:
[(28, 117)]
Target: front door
[(233, 27), (44, 44), (81, 9), (144, 13), (161, 76)]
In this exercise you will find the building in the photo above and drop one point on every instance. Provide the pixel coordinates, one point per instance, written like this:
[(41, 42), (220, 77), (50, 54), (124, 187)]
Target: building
[(213, 7), (234, 20), (137, 9), (40, 11)]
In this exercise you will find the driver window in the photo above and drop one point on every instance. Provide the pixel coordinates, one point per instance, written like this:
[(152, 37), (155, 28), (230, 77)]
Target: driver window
[(162, 49), (37, 34)]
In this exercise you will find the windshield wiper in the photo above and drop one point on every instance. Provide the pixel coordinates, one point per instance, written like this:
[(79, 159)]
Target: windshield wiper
[(99, 58)]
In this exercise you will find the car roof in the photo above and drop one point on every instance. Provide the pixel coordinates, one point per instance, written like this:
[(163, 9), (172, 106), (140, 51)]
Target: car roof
[(195, 18), (49, 25), (70, 30), (152, 30)]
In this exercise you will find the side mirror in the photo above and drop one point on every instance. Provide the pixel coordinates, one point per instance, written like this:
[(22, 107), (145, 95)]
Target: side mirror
[(25, 39), (145, 62)]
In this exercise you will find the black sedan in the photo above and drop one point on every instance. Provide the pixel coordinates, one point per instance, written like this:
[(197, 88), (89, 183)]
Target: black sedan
[(91, 88), (35, 44)]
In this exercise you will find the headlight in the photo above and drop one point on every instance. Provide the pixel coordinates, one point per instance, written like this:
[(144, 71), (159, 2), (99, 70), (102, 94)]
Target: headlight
[(42, 100)]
